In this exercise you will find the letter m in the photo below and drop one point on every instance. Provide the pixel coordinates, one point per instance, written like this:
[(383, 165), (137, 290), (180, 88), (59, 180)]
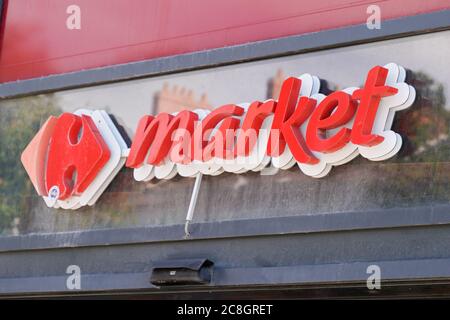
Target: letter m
[(153, 137)]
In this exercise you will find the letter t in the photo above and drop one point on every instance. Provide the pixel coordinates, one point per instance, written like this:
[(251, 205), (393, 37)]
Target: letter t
[(370, 98)]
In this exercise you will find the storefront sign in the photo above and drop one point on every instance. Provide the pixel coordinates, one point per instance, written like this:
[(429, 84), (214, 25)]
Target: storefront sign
[(74, 157)]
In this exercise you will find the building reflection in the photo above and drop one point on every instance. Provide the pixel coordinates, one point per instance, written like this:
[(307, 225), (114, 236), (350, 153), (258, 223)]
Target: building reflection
[(174, 98)]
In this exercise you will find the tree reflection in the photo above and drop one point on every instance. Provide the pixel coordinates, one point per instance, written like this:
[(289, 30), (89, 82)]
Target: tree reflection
[(20, 119), (425, 125), (417, 175)]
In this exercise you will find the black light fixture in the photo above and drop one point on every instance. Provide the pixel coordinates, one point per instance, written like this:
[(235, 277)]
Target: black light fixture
[(182, 272)]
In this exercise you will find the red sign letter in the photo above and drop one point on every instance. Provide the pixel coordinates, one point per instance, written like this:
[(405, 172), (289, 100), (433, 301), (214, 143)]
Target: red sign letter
[(334, 111), (155, 134), (292, 134), (203, 131), (285, 107), (370, 97), (256, 114)]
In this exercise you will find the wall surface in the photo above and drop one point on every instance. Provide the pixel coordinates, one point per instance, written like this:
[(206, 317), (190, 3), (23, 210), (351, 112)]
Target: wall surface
[(36, 41)]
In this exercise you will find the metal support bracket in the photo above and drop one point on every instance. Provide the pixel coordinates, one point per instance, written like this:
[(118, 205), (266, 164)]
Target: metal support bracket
[(190, 213)]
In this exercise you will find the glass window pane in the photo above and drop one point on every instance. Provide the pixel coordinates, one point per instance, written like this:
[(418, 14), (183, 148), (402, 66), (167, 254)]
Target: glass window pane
[(418, 176)]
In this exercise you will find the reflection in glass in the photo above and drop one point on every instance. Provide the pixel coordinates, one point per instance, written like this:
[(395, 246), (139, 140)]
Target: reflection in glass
[(418, 176)]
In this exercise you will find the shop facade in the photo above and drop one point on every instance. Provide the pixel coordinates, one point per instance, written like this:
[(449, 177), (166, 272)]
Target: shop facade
[(265, 233)]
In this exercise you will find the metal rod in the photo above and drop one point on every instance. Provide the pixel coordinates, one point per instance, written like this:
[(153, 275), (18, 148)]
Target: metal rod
[(190, 213)]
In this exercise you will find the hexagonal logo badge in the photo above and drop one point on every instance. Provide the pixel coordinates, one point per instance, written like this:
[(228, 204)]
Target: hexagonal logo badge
[(73, 158)]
